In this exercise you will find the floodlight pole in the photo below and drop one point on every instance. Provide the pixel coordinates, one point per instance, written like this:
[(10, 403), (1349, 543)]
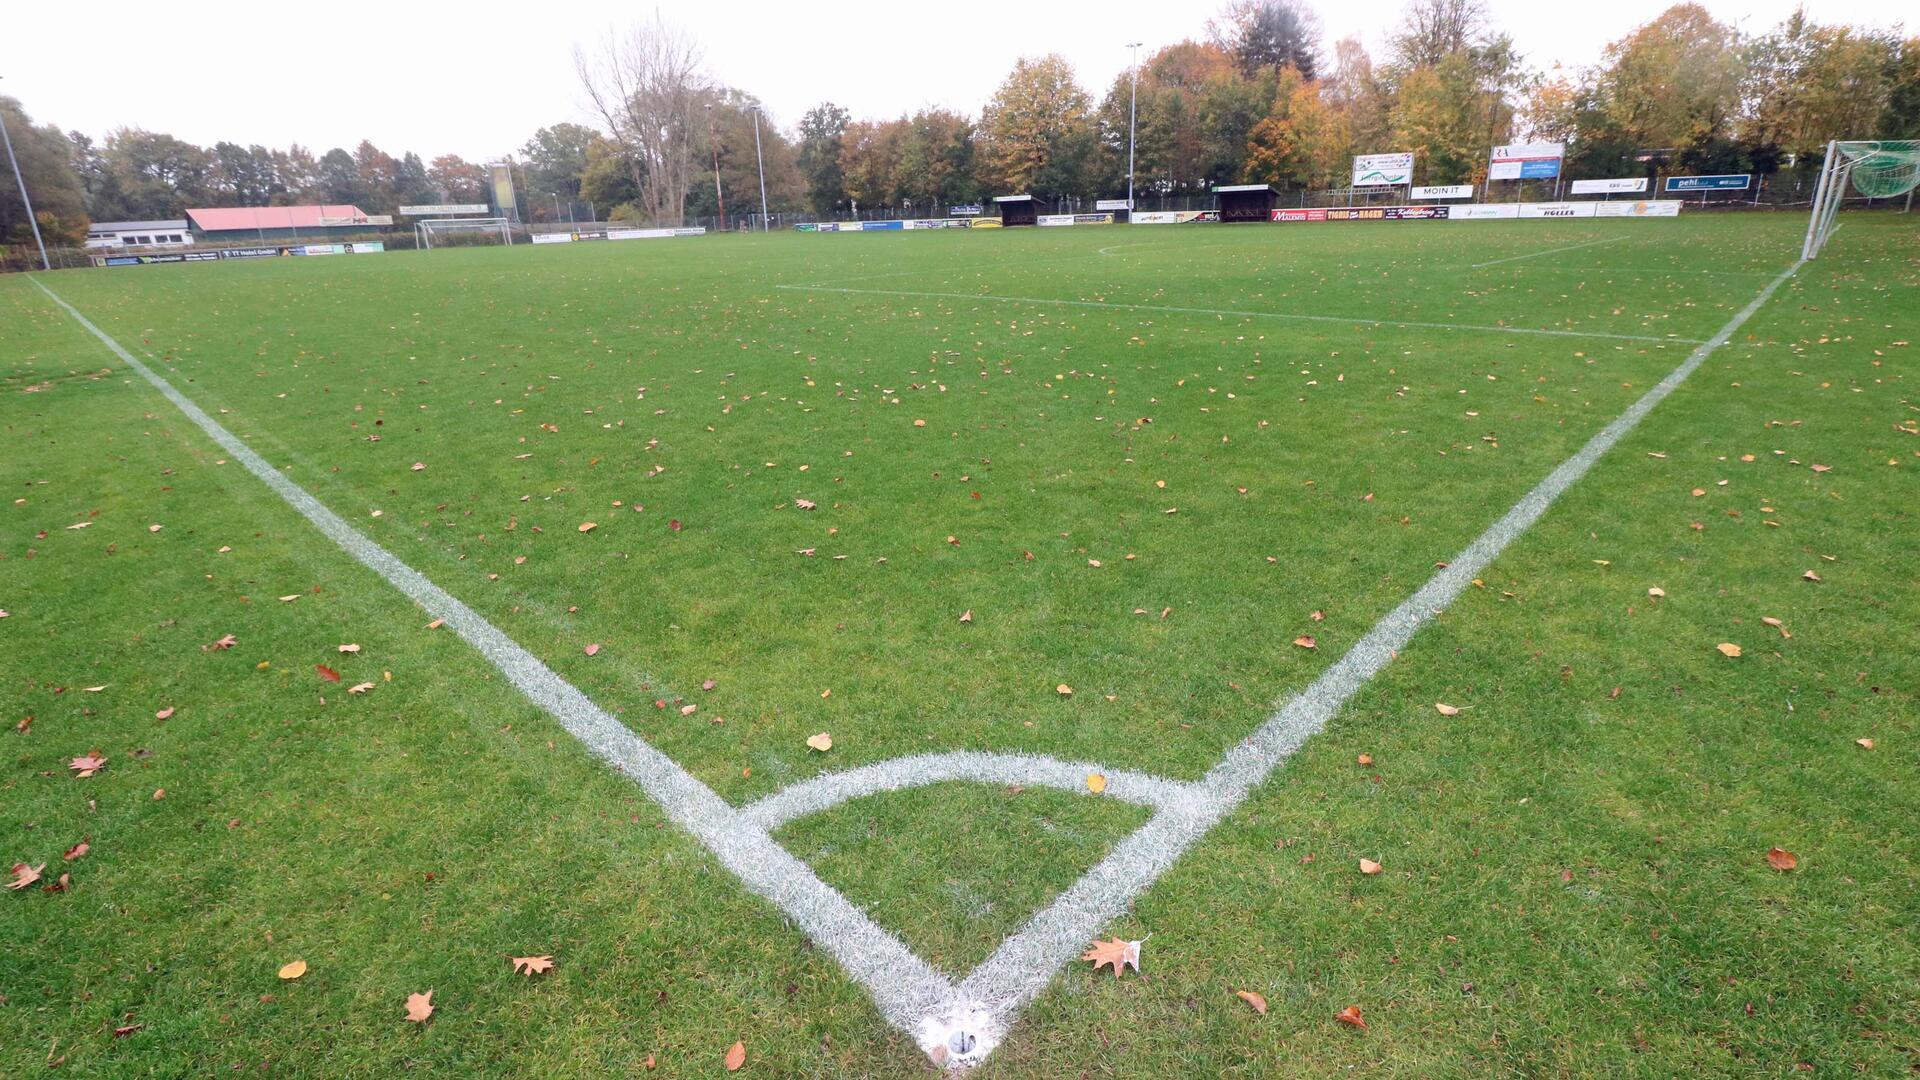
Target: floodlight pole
[(763, 166), (24, 200), (713, 143), (1133, 112)]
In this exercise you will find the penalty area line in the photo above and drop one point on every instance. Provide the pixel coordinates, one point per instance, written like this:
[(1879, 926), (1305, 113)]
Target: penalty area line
[(1549, 251)]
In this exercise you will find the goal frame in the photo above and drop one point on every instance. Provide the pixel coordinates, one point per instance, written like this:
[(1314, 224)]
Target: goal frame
[(423, 231), (1830, 191)]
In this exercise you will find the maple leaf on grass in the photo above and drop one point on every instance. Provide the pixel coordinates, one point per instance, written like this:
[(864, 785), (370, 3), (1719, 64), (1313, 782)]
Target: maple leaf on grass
[(532, 965), (327, 673), (419, 1007), (1782, 859), (24, 875), (227, 641), (1116, 952), (87, 764), (1351, 1015), (359, 688)]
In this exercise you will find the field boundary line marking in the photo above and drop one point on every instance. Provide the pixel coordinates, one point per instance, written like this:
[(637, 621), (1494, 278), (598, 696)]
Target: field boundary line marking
[(904, 987), (1549, 251), (1337, 319), (1025, 963)]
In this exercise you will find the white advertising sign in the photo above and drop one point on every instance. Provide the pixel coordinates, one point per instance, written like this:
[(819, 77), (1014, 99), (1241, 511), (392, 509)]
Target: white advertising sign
[(1055, 219), (1604, 187), (1112, 204), (1526, 161), (1370, 170), (1557, 209), (425, 209), (1445, 191), (1483, 212), (553, 238), (1638, 208)]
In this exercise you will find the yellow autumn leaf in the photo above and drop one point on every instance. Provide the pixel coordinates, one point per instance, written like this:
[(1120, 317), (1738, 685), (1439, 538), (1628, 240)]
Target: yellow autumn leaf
[(822, 742), (1096, 783), (294, 970)]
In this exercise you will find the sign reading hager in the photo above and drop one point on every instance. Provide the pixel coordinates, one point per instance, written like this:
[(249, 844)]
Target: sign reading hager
[(1382, 170), (1526, 161)]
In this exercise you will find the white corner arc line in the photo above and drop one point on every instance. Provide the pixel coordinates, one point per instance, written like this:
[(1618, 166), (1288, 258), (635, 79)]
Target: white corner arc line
[(908, 992), (1284, 316), (1549, 251)]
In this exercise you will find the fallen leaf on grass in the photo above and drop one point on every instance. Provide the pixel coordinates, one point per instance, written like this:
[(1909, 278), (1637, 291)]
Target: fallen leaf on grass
[(436, 624), (77, 850), (1445, 709), (1306, 641), (96, 689), (1810, 576), (1364, 759), (1351, 1015), (226, 642), (588, 526), (1777, 625), (349, 648), (293, 970), (289, 598), (123, 1032), (737, 1053), (1063, 690), (1781, 859), (1259, 1003), (1656, 592), (24, 875), (419, 1007), (164, 713), (419, 466), (327, 673), (359, 688), (1116, 952), (87, 764), (1369, 867), (593, 649), (1728, 648), (822, 742), (1096, 783), (967, 615), (1864, 744), (805, 504), (532, 965)]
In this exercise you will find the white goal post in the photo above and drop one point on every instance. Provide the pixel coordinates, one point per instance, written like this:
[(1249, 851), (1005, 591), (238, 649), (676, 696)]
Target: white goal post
[(437, 230), (1876, 168)]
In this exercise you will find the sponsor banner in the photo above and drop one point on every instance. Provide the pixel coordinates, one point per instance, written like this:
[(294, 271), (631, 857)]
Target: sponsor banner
[(1173, 217), (1386, 170), (366, 247), (1484, 212), (1606, 187), (1074, 219), (323, 249), (249, 253), (1638, 208), (1054, 219), (553, 238), (968, 210), (1557, 209), (1112, 204), (427, 209), (881, 226), (1526, 161), (1444, 191), (986, 223), (1720, 182), (1365, 213)]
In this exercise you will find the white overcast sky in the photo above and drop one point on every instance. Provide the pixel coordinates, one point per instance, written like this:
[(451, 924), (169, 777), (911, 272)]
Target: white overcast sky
[(470, 80)]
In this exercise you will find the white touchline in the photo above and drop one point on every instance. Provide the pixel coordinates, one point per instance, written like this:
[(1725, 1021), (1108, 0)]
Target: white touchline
[(1549, 251), (1340, 319), (959, 1024)]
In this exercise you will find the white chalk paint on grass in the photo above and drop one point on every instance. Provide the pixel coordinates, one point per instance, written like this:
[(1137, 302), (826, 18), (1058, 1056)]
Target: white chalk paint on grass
[(962, 1024)]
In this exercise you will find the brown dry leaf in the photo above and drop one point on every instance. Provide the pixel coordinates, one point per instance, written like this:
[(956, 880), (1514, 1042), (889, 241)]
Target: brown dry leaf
[(1096, 783), (532, 965), (822, 742), (294, 970), (737, 1053), (1777, 625), (419, 1007), (1656, 592), (1445, 709), (589, 526), (689, 710), (436, 624), (359, 688), (77, 851), (164, 713), (1259, 1003), (96, 689), (226, 641), (1351, 1015), (1781, 859), (1822, 468), (1364, 759), (1063, 690), (1306, 641), (1864, 744), (1369, 867), (805, 504), (289, 598), (1728, 648), (87, 764), (349, 648), (1810, 576), (593, 649), (1116, 952), (648, 1061), (967, 615), (419, 466), (24, 875)]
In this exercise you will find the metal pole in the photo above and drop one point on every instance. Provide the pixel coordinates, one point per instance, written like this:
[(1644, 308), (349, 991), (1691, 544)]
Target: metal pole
[(713, 142), (1133, 113), (24, 200), (763, 168)]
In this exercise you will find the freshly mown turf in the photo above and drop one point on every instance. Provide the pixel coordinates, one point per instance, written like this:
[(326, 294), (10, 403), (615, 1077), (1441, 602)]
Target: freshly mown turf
[(1575, 865)]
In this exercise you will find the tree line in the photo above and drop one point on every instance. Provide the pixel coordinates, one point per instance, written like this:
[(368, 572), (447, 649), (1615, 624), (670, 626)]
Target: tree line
[(1256, 97)]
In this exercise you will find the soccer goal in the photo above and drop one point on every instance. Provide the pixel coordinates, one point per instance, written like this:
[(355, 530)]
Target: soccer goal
[(1876, 168), (448, 232)]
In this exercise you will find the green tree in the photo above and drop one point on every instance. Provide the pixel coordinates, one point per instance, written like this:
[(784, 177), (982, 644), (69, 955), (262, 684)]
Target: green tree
[(411, 187), (457, 180), (935, 164), (336, 179), (1807, 84), (556, 157), (821, 130), (870, 160), (1674, 82), (158, 176), (607, 182), (1268, 35), (46, 165)]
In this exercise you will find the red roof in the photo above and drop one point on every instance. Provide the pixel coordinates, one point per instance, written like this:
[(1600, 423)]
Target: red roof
[(233, 218)]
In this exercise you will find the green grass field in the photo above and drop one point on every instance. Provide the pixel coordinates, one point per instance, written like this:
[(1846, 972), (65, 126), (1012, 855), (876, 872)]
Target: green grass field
[(1575, 864)]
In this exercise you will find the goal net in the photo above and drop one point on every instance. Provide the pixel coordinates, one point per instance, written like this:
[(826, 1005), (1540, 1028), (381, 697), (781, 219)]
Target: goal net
[(1874, 168), (457, 232)]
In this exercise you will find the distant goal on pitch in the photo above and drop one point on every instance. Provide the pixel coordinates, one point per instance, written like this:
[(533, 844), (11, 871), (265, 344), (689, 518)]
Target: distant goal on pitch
[(462, 232), (1874, 168)]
